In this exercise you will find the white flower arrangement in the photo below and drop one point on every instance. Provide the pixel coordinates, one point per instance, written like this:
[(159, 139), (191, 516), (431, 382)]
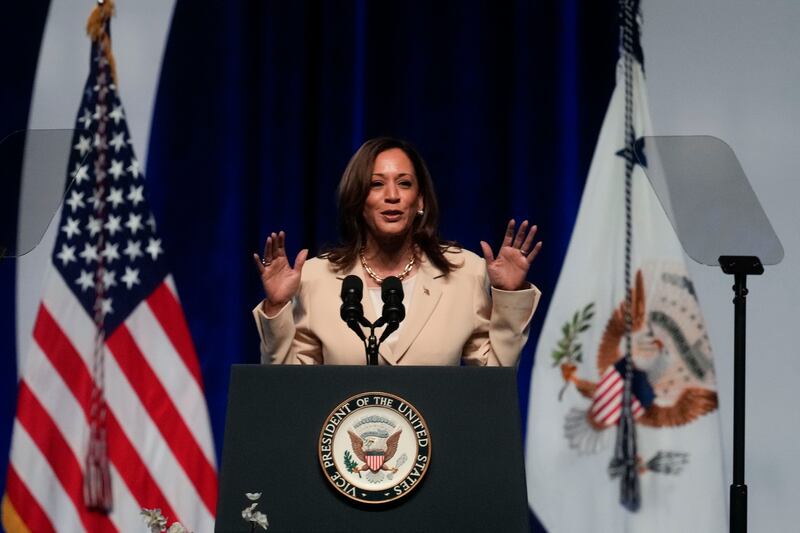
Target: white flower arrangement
[(154, 520), (255, 518), (157, 523), (177, 527)]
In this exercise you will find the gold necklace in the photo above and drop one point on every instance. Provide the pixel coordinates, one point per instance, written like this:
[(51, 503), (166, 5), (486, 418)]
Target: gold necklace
[(371, 273)]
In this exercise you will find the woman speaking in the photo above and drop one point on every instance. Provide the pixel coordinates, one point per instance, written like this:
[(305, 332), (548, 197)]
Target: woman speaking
[(459, 308)]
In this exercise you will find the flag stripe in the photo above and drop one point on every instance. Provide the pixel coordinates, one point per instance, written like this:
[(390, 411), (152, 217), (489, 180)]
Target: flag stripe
[(608, 395), (25, 505), (164, 414), (611, 406), (62, 355), (55, 396), (606, 407), (170, 283), (611, 402), (69, 416), (41, 481), (135, 424), (610, 377), (127, 508), (612, 416), (43, 431), (188, 398), (134, 471), (72, 369), (167, 310)]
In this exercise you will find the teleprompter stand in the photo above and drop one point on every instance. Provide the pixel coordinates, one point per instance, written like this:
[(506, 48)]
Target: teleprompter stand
[(475, 480), (719, 221), (740, 267)]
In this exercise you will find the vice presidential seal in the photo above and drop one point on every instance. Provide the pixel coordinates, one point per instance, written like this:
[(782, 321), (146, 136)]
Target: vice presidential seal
[(374, 447)]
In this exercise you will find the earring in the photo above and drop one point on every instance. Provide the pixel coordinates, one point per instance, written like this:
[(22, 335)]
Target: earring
[(420, 212)]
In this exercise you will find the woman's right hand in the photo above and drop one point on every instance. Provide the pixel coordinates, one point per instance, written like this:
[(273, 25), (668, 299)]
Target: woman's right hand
[(281, 281)]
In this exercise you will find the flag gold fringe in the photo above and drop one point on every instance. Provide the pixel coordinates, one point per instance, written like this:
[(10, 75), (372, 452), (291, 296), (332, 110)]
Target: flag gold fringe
[(12, 523), (96, 27)]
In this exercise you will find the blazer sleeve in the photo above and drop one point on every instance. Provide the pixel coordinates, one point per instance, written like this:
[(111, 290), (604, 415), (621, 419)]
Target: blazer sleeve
[(501, 323), (286, 338)]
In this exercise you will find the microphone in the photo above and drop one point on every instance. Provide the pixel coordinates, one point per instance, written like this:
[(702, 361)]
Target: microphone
[(351, 310), (393, 310)]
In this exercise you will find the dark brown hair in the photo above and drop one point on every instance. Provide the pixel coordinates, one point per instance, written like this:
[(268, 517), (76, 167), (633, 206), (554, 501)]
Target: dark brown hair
[(352, 194)]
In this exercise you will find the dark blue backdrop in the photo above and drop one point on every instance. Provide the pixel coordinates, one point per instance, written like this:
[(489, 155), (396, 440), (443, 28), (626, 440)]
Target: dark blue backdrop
[(261, 104), (21, 27)]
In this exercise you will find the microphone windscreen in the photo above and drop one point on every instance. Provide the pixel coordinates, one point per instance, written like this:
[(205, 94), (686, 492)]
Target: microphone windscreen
[(352, 285), (392, 295), (391, 286)]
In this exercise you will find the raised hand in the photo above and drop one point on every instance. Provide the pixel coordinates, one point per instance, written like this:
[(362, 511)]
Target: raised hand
[(509, 269), (281, 280)]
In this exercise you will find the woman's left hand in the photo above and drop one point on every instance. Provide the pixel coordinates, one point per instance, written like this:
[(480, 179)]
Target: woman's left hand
[(509, 269)]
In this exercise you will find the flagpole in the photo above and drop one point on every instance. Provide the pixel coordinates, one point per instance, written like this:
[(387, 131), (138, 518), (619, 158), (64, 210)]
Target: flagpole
[(740, 267)]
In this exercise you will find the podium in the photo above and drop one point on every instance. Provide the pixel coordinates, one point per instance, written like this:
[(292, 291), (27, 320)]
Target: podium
[(475, 479)]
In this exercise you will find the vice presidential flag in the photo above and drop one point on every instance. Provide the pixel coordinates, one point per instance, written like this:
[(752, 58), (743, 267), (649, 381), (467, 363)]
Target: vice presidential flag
[(111, 415), (576, 480)]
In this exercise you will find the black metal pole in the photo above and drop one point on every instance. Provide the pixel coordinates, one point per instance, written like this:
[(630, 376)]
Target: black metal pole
[(740, 267), (372, 348), (738, 493)]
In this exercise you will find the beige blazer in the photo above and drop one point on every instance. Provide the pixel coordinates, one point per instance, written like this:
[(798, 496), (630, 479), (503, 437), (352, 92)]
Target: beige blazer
[(450, 319)]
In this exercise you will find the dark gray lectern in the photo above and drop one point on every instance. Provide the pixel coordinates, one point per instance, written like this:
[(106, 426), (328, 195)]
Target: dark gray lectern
[(475, 481)]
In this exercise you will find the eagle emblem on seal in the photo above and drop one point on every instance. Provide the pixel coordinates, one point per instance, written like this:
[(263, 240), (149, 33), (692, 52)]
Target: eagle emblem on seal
[(372, 453), (673, 381)]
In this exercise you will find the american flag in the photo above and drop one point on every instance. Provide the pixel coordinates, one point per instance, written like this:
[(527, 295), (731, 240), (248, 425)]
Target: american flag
[(112, 362)]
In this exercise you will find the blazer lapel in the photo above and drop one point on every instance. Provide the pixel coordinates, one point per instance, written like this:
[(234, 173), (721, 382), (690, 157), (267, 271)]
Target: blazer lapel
[(427, 292)]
